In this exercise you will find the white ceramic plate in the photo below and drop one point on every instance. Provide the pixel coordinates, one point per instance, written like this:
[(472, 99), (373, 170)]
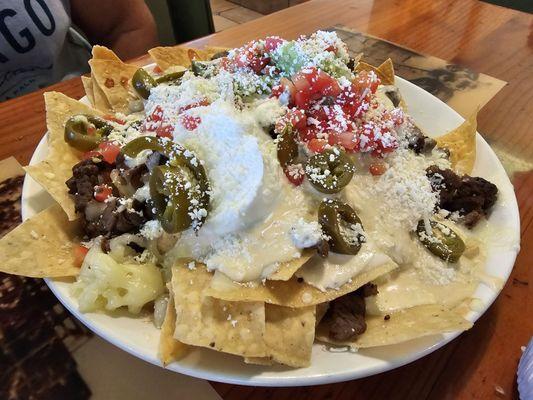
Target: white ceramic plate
[(139, 337)]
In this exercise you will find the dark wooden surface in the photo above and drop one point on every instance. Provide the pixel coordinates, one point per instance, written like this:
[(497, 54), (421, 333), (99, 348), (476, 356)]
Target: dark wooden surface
[(486, 38)]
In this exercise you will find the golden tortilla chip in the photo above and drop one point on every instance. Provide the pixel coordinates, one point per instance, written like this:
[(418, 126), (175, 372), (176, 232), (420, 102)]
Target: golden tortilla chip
[(166, 57), (385, 71), (289, 334), (100, 100), (114, 79), (212, 50), (170, 349), (287, 269), (259, 360), (88, 87), (461, 142), (103, 53), (56, 168), (230, 327), (42, 246), (402, 326), (291, 293)]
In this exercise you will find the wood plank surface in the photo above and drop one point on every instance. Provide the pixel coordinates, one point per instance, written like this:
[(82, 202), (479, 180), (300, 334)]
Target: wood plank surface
[(486, 38)]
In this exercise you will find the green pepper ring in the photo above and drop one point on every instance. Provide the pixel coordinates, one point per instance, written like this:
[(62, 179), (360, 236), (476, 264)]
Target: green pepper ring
[(339, 165), (143, 82), (287, 147), (76, 131), (331, 213), (171, 202), (447, 246)]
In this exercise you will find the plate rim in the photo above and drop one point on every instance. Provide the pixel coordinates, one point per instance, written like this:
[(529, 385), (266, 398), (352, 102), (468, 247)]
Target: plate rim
[(279, 381)]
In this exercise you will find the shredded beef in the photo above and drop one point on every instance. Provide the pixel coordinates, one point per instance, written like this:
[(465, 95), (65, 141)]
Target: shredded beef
[(85, 176), (471, 197), (369, 289), (346, 316), (111, 223)]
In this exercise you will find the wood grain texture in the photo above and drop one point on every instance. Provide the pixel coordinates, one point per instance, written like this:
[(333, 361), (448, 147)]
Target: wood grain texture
[(486, 38)]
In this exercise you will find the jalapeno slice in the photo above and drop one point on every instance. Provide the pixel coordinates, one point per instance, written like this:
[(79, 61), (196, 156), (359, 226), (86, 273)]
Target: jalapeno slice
[(143, 82), (171, 199), (199, 68), (441, 241), (170, 78), (182, 167), (330, 171), (287, 147), (342, 227), (86, 132)]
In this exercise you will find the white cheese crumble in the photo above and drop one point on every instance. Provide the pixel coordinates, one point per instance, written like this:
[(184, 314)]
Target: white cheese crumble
[(306, 234), (152, 230)]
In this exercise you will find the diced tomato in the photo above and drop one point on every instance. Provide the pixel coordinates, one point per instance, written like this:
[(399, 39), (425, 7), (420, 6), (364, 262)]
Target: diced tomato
[(294, 174), (272, 43), (312, 84), (297, 118), (200, 103), (307, 133), (190, 122), (79, 254), (331, 48), (110, 117), (317, 145), (157, 70), (377, 168), (251, 56), (102, 192), (109, 151), (348, 140), (164, 131), (366, 83)]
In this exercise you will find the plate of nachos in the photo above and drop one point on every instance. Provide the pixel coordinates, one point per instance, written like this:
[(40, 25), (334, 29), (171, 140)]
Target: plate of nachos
[(275, 214)]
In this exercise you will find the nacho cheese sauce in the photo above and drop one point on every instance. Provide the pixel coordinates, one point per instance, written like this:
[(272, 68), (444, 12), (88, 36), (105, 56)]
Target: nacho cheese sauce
[(261, 216)]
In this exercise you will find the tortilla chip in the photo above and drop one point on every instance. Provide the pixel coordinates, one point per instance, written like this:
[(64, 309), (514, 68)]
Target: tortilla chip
[(114, 79), (259, 360), (103, 53), (402, 326), (385, 71), (88, 87), (461, 142), (170, 349), (291, 293), (289, 334), (287, 269), (56, 168), (100, 100), (212, 50), (230, 327), (166, 57), (41, 246)]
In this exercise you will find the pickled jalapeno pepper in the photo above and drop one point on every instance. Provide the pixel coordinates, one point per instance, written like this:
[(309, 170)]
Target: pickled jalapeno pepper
[(330, 171), (341, 226), (86, 132), (287, 147), (441, 241), (143, 82)]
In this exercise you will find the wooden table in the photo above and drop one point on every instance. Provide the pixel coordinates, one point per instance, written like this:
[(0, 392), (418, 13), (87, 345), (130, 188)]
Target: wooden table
[(486, 38)]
